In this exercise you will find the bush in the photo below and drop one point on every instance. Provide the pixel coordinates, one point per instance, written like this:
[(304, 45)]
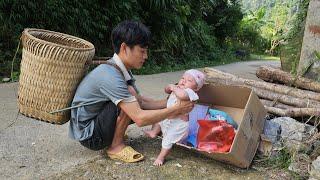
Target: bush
[(249, 35), (183, 30)]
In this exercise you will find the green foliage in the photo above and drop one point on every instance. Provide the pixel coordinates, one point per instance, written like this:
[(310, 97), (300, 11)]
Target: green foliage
[(223, 17), (15, 76), (183, 30), (249, 34), (264, 57), (278, 19), (317, 54)]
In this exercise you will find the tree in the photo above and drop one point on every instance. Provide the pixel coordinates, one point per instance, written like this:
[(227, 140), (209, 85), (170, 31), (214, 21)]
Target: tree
[(309, 64)]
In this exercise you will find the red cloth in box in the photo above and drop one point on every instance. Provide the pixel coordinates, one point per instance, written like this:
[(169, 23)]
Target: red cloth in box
[(215, 136)]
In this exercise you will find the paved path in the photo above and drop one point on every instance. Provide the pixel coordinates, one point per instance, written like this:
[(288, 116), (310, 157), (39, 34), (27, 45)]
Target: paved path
[(32, 149)]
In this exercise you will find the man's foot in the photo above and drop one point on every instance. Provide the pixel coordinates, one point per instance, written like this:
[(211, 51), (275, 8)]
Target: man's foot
[(115, 149), (158, 162), (126, 154), (151, 133)]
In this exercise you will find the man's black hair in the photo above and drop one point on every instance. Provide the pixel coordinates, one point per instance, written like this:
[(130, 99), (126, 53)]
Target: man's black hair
[(132, 33)]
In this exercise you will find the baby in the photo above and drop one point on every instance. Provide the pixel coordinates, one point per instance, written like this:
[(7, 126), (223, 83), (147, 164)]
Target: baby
[(176, 130)]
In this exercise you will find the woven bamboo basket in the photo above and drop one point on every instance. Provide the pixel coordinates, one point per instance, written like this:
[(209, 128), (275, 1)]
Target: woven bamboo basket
[(52, 66)]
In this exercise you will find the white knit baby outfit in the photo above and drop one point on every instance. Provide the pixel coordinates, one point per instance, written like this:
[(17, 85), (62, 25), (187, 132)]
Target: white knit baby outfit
[(175, 130)]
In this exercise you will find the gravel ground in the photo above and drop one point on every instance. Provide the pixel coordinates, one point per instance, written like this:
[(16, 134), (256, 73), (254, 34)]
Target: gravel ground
[(31, 149)]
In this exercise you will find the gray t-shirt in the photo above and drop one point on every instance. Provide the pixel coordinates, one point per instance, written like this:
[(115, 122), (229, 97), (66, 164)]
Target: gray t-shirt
[(104, 83)]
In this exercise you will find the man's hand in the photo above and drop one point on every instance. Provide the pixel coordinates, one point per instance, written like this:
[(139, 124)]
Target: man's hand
[(182, 108)]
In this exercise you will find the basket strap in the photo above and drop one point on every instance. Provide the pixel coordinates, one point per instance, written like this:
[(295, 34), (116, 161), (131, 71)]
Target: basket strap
[(105, 60), (72, 107), (117, 67), (86, 104)]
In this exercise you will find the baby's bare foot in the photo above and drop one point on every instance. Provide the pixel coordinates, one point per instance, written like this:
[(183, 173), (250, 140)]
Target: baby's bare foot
[(150, 133), (158, 162)]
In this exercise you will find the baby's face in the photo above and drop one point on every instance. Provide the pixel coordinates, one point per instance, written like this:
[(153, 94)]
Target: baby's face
[(187, 81)]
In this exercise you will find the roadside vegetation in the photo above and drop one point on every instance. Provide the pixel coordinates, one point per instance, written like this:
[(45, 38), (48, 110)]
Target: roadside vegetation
[(274, 27), (186, 33)]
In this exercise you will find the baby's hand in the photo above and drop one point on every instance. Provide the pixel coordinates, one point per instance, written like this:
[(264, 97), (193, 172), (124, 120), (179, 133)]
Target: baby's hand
[(169, 88)]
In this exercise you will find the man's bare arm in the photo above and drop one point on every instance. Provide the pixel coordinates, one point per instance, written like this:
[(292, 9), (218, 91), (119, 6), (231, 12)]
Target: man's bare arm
[(149, 104), (147, 117), (146, 102)]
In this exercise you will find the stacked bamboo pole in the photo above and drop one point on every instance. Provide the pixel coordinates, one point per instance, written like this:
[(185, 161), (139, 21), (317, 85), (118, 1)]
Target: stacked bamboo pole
[(278, 99)]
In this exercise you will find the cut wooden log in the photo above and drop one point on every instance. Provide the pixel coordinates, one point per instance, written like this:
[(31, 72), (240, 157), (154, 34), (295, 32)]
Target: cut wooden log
[(282, 89), (270, 95), (275, 104), (294, 112), (276, 75), (286, 99)]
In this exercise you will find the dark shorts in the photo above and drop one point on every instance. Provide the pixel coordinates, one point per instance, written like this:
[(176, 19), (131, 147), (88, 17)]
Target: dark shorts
[(104, 128)]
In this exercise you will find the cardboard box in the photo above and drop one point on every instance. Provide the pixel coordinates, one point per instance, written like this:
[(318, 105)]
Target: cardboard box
[(244, 106)]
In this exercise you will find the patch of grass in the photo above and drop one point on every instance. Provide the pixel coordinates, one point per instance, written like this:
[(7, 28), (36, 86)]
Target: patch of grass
[(14, 78), (263, 57), (281, 160)]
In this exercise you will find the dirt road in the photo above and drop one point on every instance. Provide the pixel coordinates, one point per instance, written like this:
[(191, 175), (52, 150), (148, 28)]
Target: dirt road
[(31, 149)]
